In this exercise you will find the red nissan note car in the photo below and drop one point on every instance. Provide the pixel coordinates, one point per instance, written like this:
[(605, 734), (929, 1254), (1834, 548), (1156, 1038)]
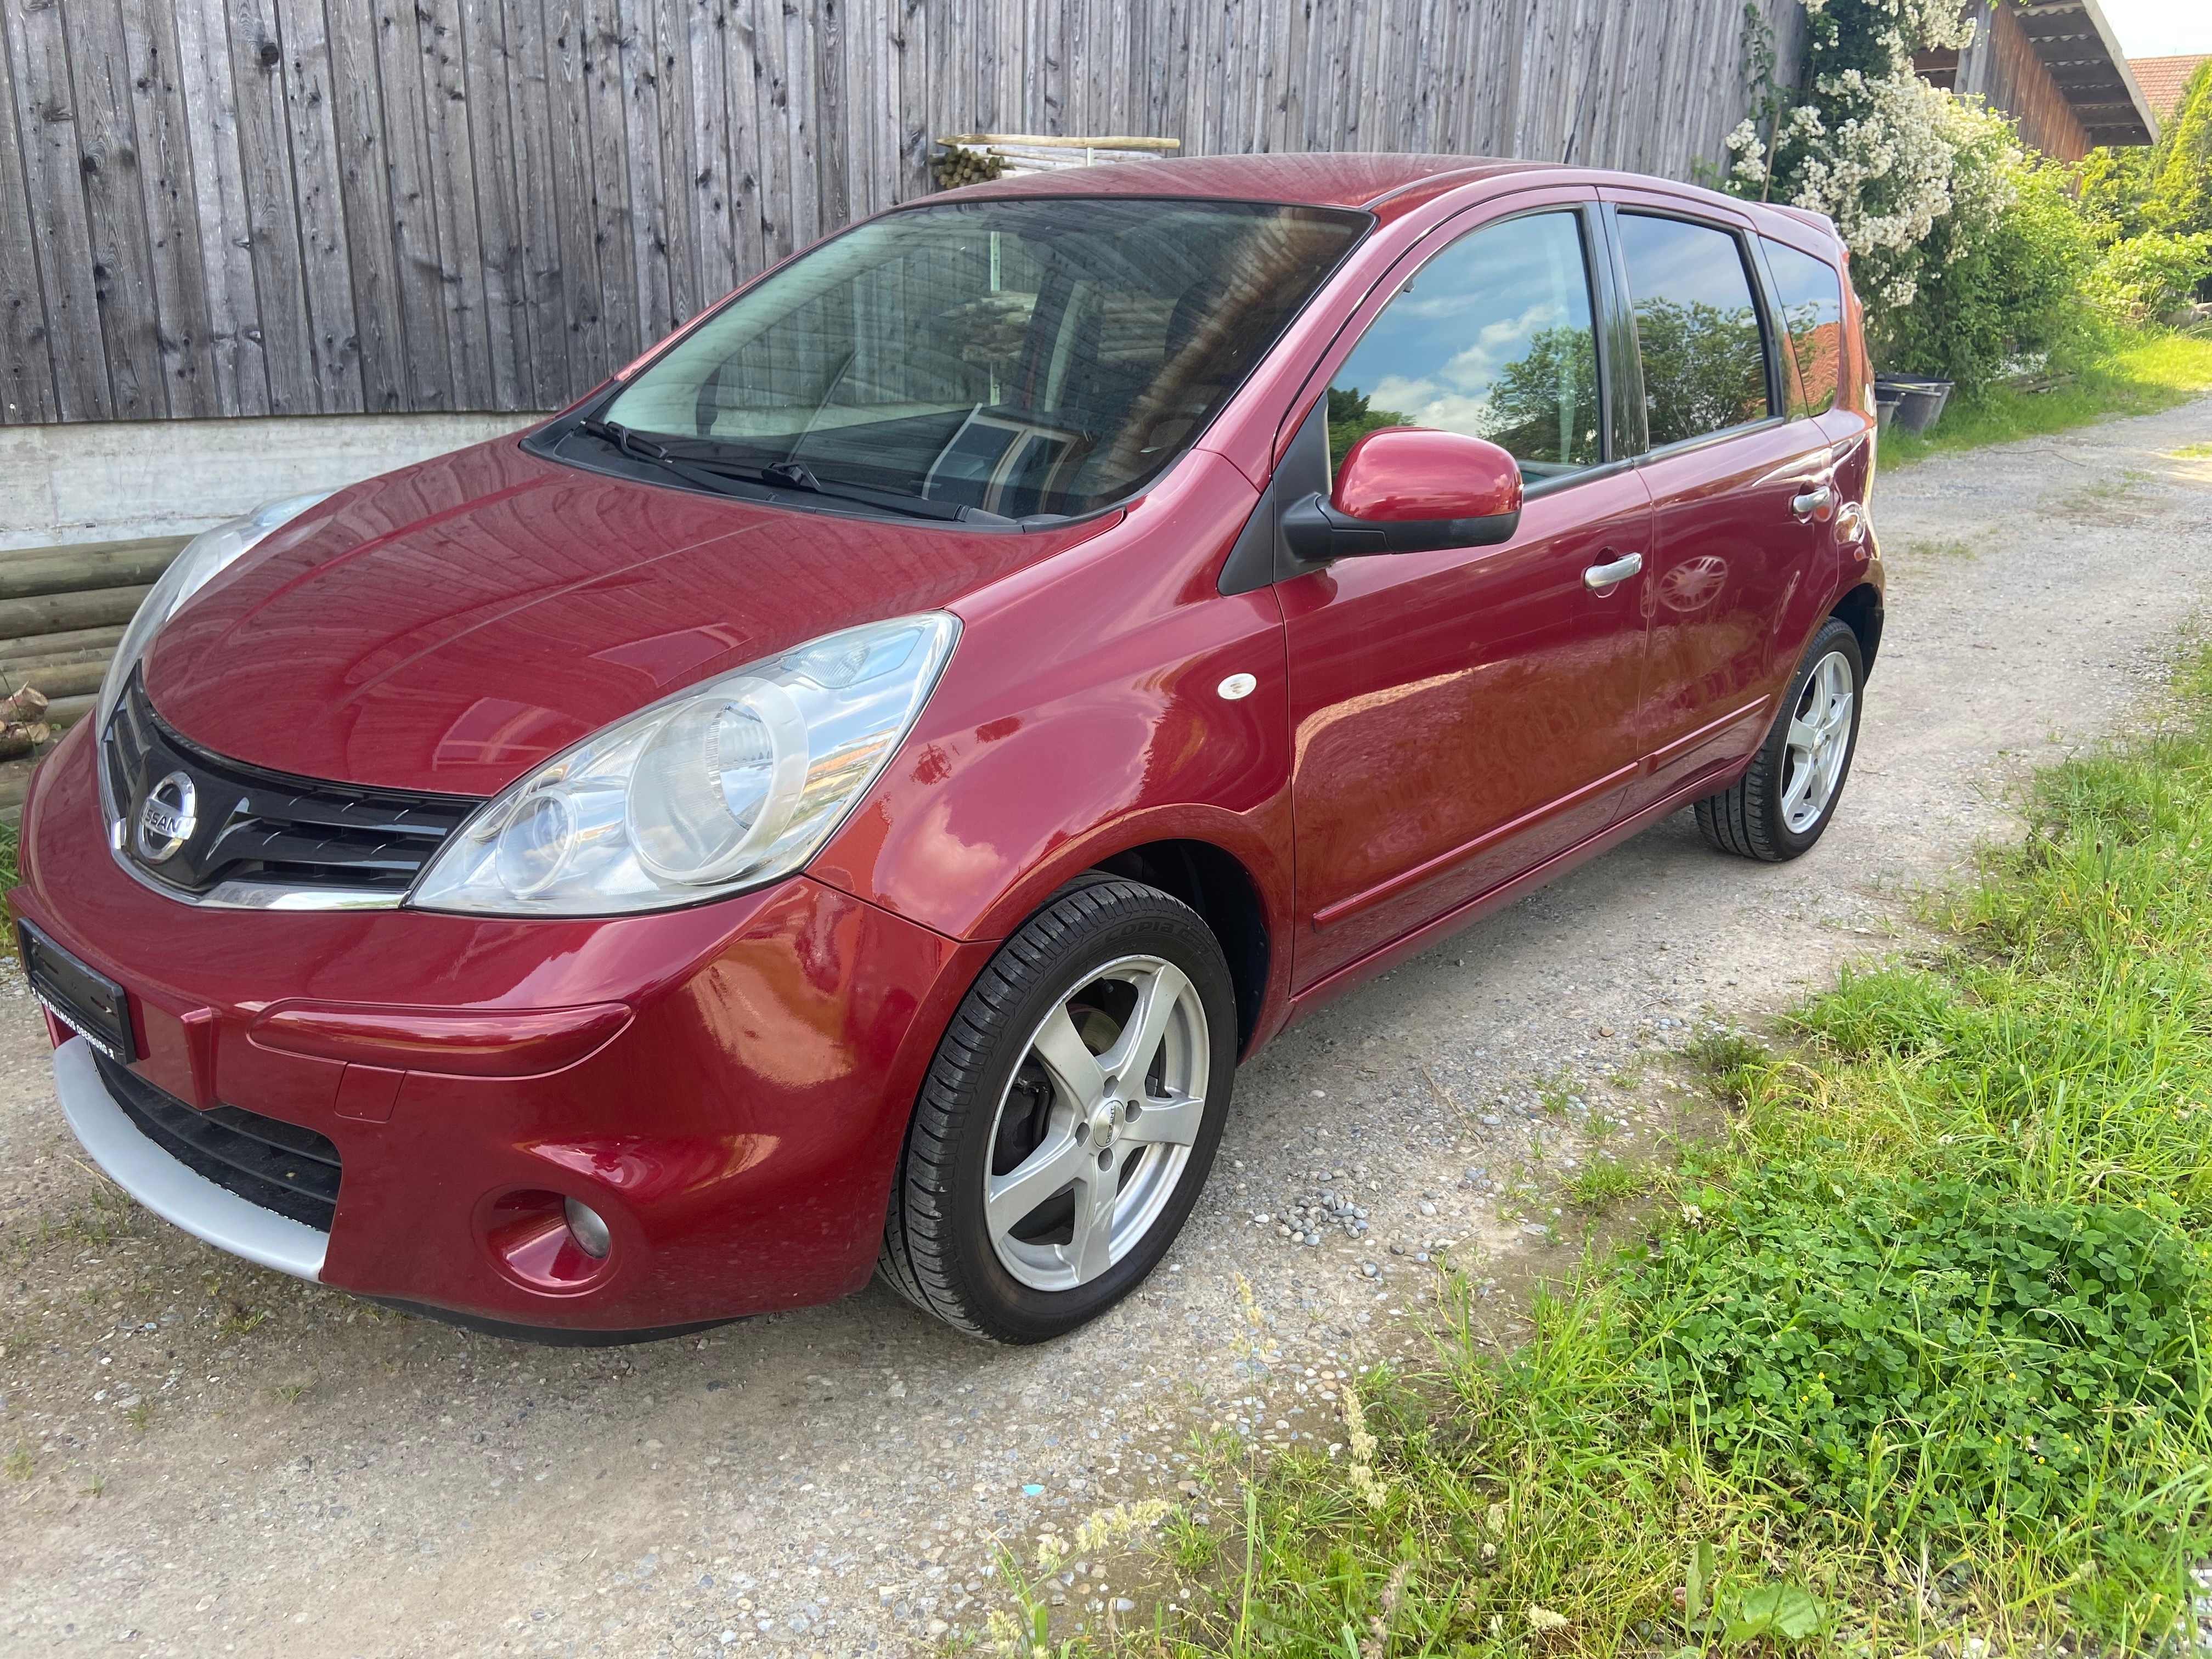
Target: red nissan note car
[(845, 796)]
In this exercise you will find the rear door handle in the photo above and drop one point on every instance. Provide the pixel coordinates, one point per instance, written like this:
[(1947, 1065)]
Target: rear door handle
[(1818, 502), (1600, 577)]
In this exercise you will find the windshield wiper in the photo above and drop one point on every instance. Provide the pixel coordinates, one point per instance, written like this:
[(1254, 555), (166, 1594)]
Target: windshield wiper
[(782, 475)]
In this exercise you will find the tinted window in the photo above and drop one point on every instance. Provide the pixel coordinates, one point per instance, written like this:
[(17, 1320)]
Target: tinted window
[(1492, 338), (1812, 297), (1697, 330), (1042, 355)]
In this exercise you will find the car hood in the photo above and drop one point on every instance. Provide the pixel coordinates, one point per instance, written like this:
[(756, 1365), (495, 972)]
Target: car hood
[(448, 627)]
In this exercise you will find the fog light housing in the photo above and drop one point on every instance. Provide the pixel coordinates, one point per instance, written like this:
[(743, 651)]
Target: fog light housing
[(545, 1241), (589, 1229)]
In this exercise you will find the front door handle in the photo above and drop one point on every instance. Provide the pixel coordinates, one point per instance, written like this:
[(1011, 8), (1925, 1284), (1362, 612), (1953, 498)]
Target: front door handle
[(1818, 502), (1600, 577)]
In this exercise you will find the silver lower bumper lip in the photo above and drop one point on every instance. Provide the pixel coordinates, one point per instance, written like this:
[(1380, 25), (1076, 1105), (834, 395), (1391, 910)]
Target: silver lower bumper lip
[(177, 1195)]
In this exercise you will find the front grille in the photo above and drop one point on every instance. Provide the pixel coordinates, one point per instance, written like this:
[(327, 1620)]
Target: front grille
[(267, 828), (279, 1166)]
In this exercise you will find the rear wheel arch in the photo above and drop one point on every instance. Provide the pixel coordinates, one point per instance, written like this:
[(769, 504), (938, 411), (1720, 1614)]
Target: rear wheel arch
[(1861, 609)]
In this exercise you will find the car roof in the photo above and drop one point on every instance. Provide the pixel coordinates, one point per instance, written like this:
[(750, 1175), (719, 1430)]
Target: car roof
[(1386, 184)]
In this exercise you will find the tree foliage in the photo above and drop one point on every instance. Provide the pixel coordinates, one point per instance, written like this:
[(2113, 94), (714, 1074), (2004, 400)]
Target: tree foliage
[(2179, 197)]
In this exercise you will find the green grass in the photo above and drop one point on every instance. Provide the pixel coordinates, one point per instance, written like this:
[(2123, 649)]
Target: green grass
[(1913, 1360), (8, 874), (2140, 376)]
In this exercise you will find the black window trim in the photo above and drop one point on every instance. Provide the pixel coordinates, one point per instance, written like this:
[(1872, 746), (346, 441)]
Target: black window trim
[(1781, 321), (1755, 277), (1260, 557), (1592, 236)]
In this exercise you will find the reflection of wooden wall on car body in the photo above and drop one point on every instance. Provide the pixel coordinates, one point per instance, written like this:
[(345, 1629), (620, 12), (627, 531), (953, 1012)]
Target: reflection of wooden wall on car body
[(285, 207)]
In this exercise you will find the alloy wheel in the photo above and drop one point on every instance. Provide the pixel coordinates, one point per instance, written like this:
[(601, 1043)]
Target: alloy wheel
[(1819, 742), (1094, 1132)]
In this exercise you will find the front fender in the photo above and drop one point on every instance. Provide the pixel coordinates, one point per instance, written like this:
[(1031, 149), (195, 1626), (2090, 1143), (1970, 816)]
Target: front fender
[(1081, 715)]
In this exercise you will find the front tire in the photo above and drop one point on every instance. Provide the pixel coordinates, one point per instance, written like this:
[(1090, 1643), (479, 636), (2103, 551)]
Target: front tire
[(1069, 1119), (1785, 800)]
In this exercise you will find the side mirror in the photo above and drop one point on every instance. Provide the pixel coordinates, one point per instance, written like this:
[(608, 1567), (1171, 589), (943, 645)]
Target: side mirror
[(1410, 489)]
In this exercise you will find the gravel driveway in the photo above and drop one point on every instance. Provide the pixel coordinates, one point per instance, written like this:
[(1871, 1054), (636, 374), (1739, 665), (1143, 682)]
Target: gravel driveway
[(204, 1458)]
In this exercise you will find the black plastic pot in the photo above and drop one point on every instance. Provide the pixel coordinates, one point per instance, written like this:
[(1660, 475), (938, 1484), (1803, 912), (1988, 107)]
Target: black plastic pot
[(1920, 403)]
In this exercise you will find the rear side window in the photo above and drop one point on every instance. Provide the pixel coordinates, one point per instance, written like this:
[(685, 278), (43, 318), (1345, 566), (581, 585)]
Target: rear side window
[(1492, 338), (1812, 297), (1697, 328)]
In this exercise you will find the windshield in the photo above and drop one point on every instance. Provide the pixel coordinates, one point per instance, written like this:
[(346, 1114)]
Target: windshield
[(1017, 356)]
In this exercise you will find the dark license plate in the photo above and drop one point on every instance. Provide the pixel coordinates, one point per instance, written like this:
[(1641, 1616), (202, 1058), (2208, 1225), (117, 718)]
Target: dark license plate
[(92, 1005)]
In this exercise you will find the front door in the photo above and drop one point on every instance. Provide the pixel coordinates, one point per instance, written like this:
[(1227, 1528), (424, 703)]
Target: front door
[(1734, 482), (1462, 715)]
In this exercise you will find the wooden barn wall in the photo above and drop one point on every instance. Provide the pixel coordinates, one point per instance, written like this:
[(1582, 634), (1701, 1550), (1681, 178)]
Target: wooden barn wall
[(2012, 77), (254, 207)]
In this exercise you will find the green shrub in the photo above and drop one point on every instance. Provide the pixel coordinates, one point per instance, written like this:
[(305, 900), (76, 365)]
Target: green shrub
[(2001, 275), (2143, 277)]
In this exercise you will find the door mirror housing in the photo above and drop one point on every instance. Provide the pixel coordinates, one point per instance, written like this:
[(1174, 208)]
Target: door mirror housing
[(1410, 489)]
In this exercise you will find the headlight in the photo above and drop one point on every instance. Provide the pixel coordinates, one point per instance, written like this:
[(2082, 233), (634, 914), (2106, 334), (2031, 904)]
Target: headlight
[(206, 557), (728, 785)]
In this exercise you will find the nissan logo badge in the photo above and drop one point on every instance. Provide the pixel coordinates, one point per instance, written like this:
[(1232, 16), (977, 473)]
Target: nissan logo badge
[(167, 817)]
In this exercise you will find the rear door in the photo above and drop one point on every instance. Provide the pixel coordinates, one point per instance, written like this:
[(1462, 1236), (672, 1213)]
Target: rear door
[(1462, 715), (1735, 475)]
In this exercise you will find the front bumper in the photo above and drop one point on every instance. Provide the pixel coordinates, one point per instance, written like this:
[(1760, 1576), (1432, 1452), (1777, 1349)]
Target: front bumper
[(736, 1130)]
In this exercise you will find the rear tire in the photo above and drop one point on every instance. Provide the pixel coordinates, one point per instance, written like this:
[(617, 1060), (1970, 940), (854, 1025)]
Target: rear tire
[(1069, 1119), (1785, 799)]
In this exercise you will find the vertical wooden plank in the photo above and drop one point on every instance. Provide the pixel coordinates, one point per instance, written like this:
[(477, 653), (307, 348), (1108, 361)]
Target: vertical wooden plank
[(164, 170), (536, 284), (481, 360), (426, 313), (27, 369), (325, 240), (59, 228), (800, 125), (911, 72), (582, 288), (741, 120), (1002, 22), (630, 64), (364, 187), (870, 82), (492, 81), (115, 212), (272, 234), (833, 180), (613, 217), (778, 193), (702, 26), (689, 173)]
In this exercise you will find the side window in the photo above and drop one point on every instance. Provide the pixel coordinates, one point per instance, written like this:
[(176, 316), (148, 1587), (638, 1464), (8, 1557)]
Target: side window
[(1492, 338), (1697, 328), (1812, 297)]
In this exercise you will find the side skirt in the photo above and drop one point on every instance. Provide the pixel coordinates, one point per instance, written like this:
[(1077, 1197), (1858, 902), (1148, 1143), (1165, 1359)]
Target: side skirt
[(1388, 957)]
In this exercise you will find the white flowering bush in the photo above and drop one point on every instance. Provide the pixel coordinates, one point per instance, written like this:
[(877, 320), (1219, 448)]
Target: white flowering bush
[(1955, 249), (1870, 143)]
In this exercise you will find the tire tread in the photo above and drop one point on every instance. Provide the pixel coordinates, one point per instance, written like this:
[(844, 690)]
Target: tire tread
[(1742, 818), (916, 1255)]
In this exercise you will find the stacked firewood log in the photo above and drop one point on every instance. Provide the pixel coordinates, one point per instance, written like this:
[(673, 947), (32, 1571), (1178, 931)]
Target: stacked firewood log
[(63, 610)]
